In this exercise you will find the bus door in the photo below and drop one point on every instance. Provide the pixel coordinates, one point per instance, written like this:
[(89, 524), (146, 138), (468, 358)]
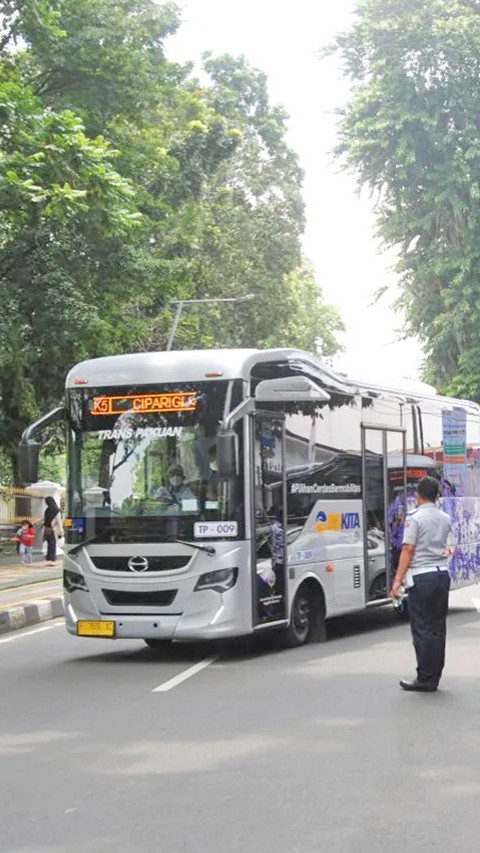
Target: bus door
[(384, 502), (269, 509)]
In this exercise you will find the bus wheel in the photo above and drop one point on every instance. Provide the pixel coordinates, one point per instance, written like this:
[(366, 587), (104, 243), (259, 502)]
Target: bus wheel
[(157, 644), (307, 619), (378, 588)]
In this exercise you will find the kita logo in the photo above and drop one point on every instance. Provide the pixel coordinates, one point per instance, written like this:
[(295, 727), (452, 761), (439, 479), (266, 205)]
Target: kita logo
[(350, 521), (336, 521)]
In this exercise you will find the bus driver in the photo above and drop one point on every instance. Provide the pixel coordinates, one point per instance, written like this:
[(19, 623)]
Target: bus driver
[(176, 490)]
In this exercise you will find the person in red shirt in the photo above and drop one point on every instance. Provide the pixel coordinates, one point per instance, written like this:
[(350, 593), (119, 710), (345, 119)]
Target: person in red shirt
[(26, 535)]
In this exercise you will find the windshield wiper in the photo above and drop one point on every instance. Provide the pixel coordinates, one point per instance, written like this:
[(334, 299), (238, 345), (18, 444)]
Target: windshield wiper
[(90, 541), (209, 549)]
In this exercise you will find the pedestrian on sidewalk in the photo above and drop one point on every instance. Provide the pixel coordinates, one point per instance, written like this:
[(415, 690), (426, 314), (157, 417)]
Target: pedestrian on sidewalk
[(52, 529), (424, 565), (26, 535)]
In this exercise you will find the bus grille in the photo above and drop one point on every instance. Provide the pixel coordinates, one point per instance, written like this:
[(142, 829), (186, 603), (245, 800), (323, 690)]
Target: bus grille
[(140, 599), (155, 564)]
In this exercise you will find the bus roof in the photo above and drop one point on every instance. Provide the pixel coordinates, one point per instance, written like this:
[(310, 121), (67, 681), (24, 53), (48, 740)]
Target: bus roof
[(172, 366), (214, 364)]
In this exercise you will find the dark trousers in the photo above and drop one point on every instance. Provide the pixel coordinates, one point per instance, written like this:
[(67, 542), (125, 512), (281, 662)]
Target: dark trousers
[(428, 608), (51, 547)]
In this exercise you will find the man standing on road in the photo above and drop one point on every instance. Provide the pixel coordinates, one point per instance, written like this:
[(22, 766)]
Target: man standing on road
[(423, 559)]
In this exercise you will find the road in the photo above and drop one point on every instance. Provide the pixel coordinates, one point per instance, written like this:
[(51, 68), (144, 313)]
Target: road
[(302, 751)]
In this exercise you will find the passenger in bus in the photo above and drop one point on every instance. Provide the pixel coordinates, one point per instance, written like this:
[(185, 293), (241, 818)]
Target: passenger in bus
[(424, 566), (175, 490), (278, 540), (396, 524), (271, 574), (212, 478)]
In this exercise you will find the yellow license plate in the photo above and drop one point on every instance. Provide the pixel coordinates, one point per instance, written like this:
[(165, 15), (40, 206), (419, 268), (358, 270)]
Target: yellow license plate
[(86, 628)]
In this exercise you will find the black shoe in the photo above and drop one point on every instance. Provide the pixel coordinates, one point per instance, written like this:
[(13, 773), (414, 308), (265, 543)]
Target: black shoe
[(419, 686)]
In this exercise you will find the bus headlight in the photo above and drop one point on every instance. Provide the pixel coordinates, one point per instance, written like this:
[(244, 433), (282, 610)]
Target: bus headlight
[(220, 581), (74, 580)]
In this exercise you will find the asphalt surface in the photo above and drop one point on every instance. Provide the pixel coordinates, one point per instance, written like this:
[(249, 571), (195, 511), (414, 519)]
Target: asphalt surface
[(104, 748)]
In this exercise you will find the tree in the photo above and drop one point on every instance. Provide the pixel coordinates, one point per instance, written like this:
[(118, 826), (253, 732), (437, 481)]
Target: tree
[(77, 275), (410, 131), (124, 183), (64, 217), (247, 228)]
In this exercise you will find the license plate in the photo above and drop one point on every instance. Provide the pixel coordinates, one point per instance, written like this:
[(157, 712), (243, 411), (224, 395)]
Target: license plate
[(87, 628)]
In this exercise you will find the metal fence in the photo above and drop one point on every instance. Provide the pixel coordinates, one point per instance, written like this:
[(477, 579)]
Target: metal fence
[(15, 505)]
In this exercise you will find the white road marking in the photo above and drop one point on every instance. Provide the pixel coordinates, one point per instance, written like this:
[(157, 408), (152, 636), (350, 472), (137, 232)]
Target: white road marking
[(19, 635), (192, 670), (476, 603)]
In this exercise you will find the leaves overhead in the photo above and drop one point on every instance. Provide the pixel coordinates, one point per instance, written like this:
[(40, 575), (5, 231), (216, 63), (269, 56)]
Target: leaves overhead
[(411, 132), (124, 184)]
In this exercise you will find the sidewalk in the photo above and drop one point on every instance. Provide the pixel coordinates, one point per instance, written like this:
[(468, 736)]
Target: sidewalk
[(28, 593)]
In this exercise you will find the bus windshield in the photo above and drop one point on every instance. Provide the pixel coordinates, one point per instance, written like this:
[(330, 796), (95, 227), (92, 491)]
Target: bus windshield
[(145, 459)]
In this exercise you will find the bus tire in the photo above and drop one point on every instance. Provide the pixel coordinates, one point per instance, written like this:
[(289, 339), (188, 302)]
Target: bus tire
[(378, 588), (307, 618), (158, 645)]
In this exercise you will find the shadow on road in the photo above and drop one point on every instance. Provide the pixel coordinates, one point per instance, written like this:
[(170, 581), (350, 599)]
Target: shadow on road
[(240, 648), (365, 625)]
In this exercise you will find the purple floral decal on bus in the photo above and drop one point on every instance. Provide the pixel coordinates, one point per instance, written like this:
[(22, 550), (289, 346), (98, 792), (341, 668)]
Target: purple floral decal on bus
[(465, 515)]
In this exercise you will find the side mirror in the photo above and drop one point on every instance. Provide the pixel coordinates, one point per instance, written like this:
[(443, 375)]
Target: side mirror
[(29, 447), (28, 453), (227, 454), (290, 389)]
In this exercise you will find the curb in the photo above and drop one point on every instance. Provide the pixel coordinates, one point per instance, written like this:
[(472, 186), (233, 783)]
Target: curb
[(30, 614)]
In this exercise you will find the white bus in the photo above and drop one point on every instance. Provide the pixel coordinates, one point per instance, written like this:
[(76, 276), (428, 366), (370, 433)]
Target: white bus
[(217, 493)]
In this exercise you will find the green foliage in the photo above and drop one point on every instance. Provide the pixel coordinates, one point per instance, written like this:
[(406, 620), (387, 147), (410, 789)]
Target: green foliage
[(53, 467), (124, 183), (64, 208), (308, 323), (411, 133), (245, 230), (7, 471)]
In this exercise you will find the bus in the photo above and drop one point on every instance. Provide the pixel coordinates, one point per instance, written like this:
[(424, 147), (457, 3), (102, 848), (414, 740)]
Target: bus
[(221, 493)]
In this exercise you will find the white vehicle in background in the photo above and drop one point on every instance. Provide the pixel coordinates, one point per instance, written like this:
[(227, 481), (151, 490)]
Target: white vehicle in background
[(249, 437)]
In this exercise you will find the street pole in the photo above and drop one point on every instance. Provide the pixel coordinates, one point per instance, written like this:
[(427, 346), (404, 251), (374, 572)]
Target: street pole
[(181, 302), (174, 325)]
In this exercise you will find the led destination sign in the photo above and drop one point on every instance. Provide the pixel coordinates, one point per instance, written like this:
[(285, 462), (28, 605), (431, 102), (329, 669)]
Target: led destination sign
[(178, 401)]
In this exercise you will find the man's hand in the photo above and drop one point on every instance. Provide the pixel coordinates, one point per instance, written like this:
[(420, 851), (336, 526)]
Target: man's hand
[(395, 590), (406, 555)]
